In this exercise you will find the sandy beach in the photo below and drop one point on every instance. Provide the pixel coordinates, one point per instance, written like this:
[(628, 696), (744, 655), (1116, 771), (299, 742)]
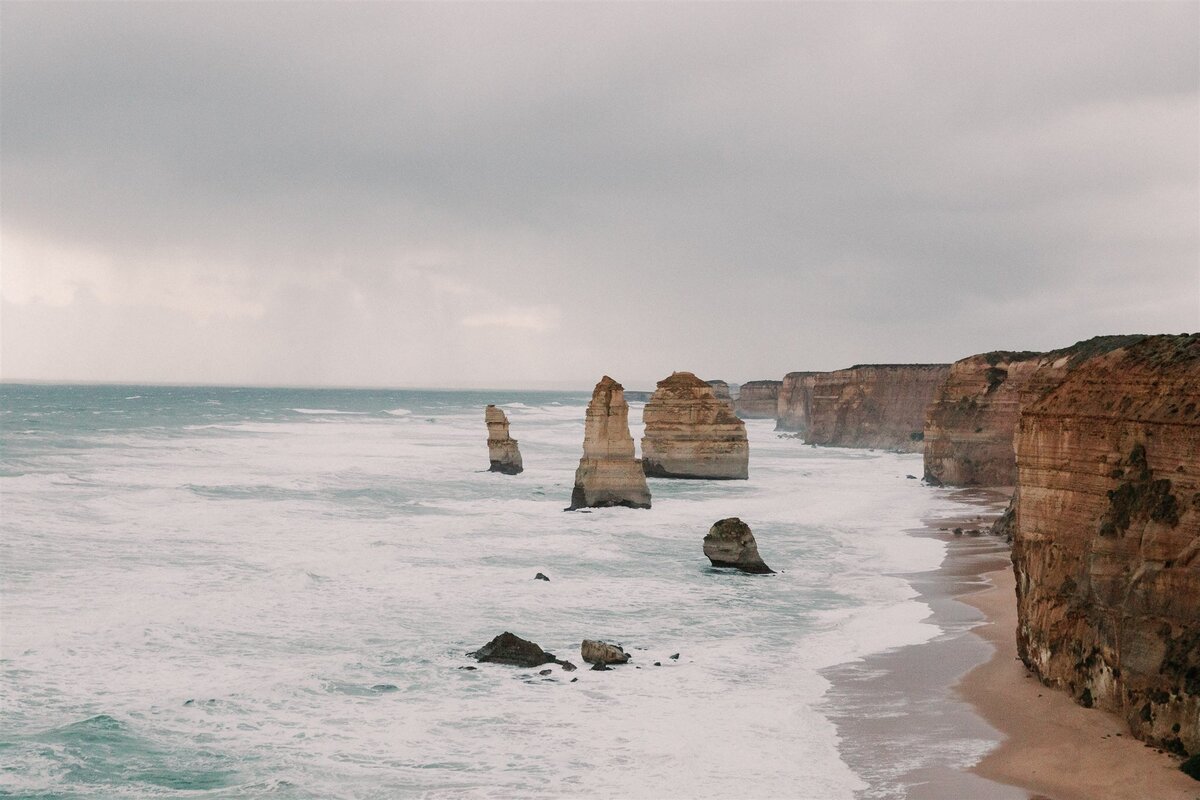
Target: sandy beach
[(1054, 747), (994, 732)]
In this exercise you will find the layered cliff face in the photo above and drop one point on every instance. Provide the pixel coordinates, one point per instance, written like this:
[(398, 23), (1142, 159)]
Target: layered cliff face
[(879, 405), (757, 399), (971, 425), (691, 433), (502, 449), (793, 406), (608, 474), (721, 390), (1107, 542)]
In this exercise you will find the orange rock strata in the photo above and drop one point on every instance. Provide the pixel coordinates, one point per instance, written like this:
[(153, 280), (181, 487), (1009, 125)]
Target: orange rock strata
[(1107, 538)]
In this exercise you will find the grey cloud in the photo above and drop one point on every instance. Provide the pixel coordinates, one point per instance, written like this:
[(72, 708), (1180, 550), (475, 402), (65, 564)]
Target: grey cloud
[(761, 188)]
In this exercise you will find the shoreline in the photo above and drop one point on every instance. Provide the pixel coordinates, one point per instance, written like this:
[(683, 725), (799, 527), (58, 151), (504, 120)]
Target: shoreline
[(965, 709), (1055, 747)]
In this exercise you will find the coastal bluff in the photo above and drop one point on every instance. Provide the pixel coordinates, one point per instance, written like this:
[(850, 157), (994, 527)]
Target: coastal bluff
[(1106, 546), (503, 452), (793, 403), (757, 399), (971, 424), (873, 405), (691, 433), (608, 473)]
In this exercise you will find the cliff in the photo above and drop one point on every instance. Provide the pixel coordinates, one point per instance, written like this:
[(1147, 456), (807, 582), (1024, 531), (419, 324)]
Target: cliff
[(721, 390), (502, 449), (1106, 547), (691, 433), (971, 424), (793, 406), (608, 474), (877, 405), (757, 399)]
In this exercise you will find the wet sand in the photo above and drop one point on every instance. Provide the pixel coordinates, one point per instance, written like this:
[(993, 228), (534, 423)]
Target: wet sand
[(1055, 747), (960, 717)]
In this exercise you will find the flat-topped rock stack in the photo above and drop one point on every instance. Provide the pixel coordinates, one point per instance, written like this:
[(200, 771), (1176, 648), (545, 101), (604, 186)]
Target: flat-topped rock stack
[(608, 473), (691, 433), (721, 390), (502, 449), (757, 399)]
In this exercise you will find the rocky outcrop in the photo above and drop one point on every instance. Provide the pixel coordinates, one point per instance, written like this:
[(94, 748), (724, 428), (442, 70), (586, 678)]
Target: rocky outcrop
[(691, 433), (601, 654), (502, 448), (608, 473), (793, 406), (730, 543), (757, 399), (508, 648), (1107, 542), (972, 422), (878, 405)]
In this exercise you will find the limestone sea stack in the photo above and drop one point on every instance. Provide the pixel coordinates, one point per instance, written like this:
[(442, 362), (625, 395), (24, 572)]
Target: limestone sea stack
[(502, 449), (971, 425), (874, 405), (601, 654), (1107, 542), (730, 543), (757, 399), (608, 473), (691, 433)]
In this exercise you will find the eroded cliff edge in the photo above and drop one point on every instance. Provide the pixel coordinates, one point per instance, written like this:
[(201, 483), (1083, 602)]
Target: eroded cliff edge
[(874, 405), (757, 399), (1107, 541), (971, 425)]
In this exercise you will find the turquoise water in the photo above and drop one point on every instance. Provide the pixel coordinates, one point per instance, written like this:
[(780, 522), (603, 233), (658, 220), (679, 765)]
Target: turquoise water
[(222, 592)]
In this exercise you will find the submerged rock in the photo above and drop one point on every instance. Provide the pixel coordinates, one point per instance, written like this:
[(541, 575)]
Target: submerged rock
[(502, 448), (601, 654), (691, 433), (608, 473), (730, 543), (508, 648)]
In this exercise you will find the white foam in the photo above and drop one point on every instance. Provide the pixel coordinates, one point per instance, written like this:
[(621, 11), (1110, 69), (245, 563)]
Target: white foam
[(398, 412), (327, 411)]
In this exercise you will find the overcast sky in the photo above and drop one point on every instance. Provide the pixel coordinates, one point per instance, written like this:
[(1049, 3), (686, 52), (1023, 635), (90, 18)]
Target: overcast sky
[(534, 195)]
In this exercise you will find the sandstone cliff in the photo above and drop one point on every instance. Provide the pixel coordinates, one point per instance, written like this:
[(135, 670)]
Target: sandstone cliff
[(608, 473), (873, 405), (721, 389), (1107, 541), (691, 433), (971, 424), (757, 399), (502, 449), (793, 407)]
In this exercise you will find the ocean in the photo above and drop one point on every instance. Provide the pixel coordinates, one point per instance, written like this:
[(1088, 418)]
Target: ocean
[(224, 592)]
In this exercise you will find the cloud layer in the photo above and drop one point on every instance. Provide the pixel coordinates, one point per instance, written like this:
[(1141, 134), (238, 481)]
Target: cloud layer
[(518, 195)]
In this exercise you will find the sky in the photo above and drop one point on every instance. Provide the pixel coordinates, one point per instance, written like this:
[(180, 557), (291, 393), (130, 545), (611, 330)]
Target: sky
[(533, 195)]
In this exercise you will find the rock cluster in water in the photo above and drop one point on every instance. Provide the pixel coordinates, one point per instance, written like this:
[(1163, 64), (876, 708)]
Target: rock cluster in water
[(691, 433), (502, 448), (608, 473), (730, 543), (508, 648)]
